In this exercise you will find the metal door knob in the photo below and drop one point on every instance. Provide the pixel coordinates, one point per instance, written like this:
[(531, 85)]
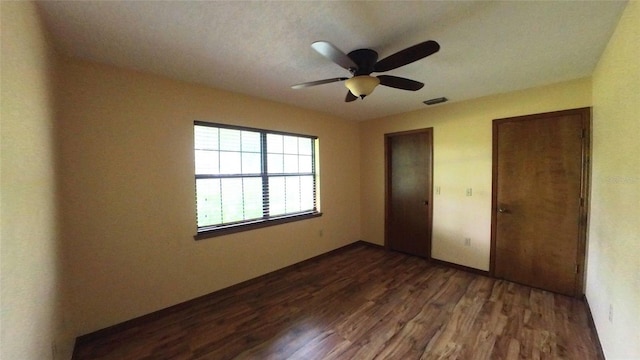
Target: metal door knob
[(502, 210)]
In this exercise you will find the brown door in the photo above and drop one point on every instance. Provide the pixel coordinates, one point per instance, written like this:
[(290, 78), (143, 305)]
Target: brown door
[(539, 199), (408, 188)]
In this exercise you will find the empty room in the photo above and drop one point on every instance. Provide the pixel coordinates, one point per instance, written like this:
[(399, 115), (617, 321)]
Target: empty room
[(320, 180)]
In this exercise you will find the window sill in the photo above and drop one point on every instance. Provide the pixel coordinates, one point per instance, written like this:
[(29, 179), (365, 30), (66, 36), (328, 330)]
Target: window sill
[(258, 224)]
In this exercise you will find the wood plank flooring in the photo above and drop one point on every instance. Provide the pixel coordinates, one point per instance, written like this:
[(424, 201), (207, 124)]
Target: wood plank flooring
[(361, 302)]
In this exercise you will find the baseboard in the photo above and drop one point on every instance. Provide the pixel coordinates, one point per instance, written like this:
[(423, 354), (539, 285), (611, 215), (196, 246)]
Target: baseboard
[(592, 325), (460, 267), (138, 321), (128, 324), (435, 261), (366, 243)]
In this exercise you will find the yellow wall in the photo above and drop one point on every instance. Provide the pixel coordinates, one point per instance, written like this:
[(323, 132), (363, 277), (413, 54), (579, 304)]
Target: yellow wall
[(613, 272), (30, 271), (97, 209), (127, 170), (462, 159)]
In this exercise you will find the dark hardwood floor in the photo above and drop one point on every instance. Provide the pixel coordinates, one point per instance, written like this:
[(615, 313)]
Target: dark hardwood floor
[(360, 302)]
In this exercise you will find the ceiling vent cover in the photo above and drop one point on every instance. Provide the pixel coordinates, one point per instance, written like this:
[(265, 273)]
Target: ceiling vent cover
[(436, 101)]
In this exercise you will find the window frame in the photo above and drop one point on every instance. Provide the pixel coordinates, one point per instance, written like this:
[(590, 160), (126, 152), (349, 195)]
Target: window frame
[(205, 232)]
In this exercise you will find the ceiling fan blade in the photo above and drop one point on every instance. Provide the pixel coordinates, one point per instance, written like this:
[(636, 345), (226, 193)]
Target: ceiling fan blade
[(407, 56), (317, 82), (350, 97), (334, 54), (400, 83)]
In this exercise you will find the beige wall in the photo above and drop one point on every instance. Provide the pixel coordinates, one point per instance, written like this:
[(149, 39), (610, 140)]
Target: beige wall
[(462, 159), (30, 271), (127, 170), (613, 272)]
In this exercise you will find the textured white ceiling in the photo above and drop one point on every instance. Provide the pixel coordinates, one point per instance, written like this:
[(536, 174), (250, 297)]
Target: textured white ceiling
[(261, 48)]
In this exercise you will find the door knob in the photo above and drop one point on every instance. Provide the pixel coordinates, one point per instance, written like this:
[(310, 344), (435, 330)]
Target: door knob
[(425, 202), (502, 210)]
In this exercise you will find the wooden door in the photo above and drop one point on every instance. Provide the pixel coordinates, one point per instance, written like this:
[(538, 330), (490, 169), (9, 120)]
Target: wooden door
[(539, 199), (409, 167)]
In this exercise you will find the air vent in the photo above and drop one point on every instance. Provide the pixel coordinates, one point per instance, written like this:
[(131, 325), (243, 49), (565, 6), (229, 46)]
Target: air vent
[(436, 101)]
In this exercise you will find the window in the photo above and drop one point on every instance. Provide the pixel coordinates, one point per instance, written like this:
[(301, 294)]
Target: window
[(248, 178)]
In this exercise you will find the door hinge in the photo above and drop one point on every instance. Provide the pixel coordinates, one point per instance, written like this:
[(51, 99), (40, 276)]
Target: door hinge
[(577, 269), (583, 134)]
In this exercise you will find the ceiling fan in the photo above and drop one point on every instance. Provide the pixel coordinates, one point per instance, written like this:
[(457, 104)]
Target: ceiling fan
[(362, 62)]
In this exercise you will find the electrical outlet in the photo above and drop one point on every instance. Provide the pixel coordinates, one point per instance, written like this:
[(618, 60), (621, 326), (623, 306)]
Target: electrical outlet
[(320, 232), (469, 192), (610, 313), (437, 190), (467, 241)]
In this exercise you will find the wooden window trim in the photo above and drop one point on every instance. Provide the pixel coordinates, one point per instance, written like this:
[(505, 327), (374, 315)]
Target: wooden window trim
[(257, 224)]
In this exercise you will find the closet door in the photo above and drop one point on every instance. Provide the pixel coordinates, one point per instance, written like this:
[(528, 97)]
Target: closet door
[(409, 169), (539, 198)]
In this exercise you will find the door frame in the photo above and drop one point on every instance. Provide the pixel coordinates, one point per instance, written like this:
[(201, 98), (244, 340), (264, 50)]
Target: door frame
[(585, 183), (387, 183)]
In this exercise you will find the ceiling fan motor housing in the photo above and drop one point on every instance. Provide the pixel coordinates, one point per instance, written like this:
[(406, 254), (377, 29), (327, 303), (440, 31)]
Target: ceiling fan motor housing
[(366, 59)]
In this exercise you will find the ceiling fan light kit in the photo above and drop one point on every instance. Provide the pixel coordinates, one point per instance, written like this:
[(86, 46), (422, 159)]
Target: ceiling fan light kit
[(362, 62), (362, 85)]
